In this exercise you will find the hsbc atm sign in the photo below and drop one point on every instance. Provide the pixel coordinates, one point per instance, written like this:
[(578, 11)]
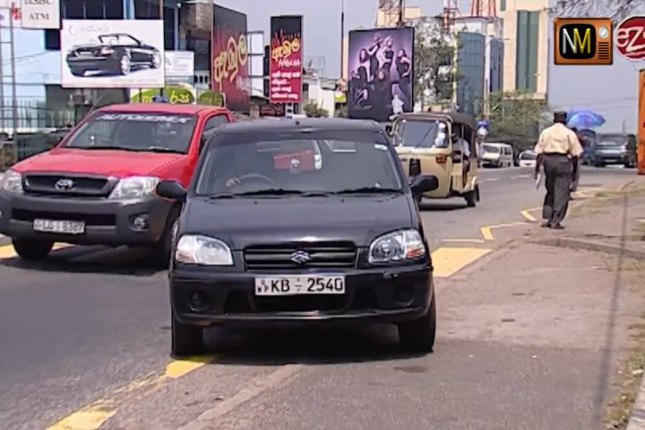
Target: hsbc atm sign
[(40, 14)]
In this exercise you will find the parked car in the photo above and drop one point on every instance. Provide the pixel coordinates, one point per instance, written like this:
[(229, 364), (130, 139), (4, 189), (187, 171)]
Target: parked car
[(614, 148), (527, 159), (115, 54), (96, 187), (496, 155), (259, 242)]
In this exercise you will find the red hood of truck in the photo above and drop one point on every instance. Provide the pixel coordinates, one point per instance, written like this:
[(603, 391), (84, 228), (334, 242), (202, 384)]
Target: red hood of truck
[(98, 162)]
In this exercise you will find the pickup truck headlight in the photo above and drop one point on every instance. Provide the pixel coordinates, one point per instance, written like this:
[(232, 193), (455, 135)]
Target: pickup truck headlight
[(134, 187), (397, 246), (203, 250), (11, 182)]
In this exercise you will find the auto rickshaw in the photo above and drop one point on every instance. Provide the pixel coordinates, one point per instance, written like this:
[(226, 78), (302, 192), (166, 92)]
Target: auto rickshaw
[(430, 143)]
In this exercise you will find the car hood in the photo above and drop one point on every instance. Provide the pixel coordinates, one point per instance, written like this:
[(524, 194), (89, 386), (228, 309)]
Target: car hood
[(245, 222), (97, 162)]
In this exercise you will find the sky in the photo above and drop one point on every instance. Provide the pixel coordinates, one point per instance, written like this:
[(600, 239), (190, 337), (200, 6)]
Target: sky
[(610, 90)]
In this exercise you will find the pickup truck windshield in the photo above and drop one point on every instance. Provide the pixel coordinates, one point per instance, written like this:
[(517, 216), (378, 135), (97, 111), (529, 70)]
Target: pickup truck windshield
[(155, 132)]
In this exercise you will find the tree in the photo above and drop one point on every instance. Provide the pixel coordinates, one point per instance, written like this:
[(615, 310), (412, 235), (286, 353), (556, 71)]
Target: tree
[(516, 118), (434, 69), (313, 110)]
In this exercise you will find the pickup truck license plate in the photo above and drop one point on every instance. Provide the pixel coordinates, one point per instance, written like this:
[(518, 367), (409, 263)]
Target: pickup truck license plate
[(56, 226), (291, 285)]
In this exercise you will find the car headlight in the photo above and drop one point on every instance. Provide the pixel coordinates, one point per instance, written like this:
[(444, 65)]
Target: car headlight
[(397, 246), (134, 187), (203, 250), (11, 182)]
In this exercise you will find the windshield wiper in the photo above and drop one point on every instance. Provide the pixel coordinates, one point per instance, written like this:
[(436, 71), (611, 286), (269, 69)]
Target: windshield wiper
[(104, 147), (270, 192), (369, 190), (221, 196), (162, 149)]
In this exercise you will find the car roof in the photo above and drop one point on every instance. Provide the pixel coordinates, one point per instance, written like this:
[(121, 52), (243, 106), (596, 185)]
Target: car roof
[(161, 108), (300, 124)]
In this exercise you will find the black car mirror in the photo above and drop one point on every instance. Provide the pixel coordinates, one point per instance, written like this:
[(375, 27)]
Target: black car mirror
[(424, 184), (172, 190)]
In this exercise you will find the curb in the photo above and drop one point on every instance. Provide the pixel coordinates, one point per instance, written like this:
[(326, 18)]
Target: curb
[(565, 242), (637, 419)]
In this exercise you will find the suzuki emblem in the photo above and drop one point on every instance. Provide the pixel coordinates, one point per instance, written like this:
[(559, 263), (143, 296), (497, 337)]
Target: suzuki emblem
[(300, 257)]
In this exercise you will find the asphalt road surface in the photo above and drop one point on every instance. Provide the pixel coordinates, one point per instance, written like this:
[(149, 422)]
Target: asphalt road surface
[(85, 338)]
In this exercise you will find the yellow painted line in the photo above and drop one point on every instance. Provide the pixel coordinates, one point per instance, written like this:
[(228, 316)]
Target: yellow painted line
[(510, 224), (487, 233), (93, 416), (527, 215), (448, 261), (464, 240)]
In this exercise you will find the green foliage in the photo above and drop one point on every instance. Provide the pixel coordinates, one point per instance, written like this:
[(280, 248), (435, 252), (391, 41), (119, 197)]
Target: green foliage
[(313, 110)]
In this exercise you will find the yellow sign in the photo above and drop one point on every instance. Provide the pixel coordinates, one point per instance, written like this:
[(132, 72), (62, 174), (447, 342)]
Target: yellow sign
[(175, 95)]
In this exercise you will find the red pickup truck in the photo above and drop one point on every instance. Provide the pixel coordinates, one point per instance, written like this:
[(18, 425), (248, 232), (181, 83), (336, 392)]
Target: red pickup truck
[(97, 186)]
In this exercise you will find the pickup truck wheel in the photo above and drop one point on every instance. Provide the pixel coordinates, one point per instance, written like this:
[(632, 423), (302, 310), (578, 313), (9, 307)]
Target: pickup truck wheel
[(419, 335), (187, 340), (31, 249)]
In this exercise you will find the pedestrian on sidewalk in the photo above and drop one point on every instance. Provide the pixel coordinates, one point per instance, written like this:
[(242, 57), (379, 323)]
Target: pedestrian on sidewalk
[(558, 149)]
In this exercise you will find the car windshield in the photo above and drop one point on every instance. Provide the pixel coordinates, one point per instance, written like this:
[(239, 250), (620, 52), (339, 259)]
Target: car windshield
[(420, 134), (491, 149), (157, 132), (121, 39), (297, 166)]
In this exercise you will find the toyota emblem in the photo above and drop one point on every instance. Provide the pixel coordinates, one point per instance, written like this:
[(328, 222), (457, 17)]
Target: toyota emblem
[(300, 257), (64, 184)]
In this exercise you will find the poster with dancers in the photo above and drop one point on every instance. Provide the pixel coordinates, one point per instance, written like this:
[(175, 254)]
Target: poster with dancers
[(381, 73)]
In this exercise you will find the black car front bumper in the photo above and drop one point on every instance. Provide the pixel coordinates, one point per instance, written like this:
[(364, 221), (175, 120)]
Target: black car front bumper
[(107, 222), (389, 295), (613, 158)]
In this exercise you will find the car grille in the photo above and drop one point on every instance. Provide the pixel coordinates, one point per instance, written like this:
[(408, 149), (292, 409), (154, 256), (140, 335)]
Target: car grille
[(325, 255), (91, 186)]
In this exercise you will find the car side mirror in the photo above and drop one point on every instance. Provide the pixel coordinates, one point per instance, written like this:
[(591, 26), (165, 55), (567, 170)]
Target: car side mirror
[(172, 190), (424, 184)]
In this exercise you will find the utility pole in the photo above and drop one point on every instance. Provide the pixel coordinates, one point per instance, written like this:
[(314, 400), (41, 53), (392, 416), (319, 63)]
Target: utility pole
[(342, 38), (401, 22), (161, 16), (14, 96), (2, 112)]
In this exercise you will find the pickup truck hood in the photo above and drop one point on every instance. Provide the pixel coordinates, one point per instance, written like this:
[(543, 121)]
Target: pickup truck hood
[(98, 162), (244, 222)]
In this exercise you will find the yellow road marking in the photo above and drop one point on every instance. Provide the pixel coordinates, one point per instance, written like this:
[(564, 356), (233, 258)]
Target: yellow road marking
[(526, 214), (464, 240), (93, 416), (487, 233), (448, 261)]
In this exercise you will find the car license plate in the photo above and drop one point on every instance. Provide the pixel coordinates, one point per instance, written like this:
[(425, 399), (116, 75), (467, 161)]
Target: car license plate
[(55, 226), (290, 285)]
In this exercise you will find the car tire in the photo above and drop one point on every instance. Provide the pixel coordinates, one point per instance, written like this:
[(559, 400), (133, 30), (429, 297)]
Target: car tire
[(162, 249), (471, 198), (77, 72), (186, 339), (418, 336), (629, 165), (124, 65), (32, 249)]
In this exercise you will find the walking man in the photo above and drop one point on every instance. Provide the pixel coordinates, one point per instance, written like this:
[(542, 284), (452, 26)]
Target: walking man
[(558, 149)]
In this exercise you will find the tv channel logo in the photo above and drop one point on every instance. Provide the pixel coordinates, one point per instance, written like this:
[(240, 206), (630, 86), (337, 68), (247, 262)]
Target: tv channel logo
[(583, 41)]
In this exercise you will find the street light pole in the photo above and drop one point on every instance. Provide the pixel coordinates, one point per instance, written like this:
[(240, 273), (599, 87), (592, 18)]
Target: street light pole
[(342, 38), (401, 22)]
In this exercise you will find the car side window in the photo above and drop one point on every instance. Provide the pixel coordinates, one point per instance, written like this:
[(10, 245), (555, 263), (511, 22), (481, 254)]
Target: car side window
[(216, 121)]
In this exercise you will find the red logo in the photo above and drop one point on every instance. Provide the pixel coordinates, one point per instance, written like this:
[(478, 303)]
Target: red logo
[(630, 38)]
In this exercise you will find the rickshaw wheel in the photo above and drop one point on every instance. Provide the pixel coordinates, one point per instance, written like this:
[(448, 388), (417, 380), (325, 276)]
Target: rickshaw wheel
[(472, 197)]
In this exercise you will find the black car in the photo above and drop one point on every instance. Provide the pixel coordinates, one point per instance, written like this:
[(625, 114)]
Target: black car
[(272, 232), (115, 54), (614, 148)]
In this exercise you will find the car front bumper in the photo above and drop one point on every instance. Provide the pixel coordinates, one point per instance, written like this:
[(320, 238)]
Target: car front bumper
[(616, 158), (388, 295), (106, 222)]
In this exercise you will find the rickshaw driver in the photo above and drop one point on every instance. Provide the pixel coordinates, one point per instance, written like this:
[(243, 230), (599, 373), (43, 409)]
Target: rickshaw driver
[(461, 145)]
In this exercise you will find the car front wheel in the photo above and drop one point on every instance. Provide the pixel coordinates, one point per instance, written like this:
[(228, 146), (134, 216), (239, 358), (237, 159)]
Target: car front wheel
[(32, 249), (124, 65), (187, 339), (419, 335)]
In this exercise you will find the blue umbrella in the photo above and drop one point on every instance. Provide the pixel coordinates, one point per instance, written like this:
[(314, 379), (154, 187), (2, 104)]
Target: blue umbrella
[(584, 119)]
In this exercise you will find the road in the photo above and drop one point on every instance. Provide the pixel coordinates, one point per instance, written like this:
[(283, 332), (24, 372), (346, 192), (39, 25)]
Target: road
[(93, 323)]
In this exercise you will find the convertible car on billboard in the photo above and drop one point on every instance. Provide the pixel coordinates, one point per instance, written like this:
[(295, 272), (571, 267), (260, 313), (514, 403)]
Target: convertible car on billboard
[(115, 54)]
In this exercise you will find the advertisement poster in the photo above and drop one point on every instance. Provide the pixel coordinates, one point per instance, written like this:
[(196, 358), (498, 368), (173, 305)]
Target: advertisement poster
[(230, 73), (112, 54), (179, 64), (285, 82), (40, 14), (175, 94), (381, 73)]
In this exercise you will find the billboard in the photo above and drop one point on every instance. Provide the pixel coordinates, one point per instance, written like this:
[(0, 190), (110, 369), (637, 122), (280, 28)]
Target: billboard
[(230, 66), (381, 73), (112, 54), (285, 75), (583, 41)]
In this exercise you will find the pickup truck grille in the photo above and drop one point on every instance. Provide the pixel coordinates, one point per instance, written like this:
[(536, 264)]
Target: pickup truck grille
[(90, 186), (323, 255)]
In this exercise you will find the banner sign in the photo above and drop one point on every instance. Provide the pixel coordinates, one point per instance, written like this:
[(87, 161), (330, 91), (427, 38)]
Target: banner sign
[(40, 14), (180, 64), (285, 82), (230, 66)]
